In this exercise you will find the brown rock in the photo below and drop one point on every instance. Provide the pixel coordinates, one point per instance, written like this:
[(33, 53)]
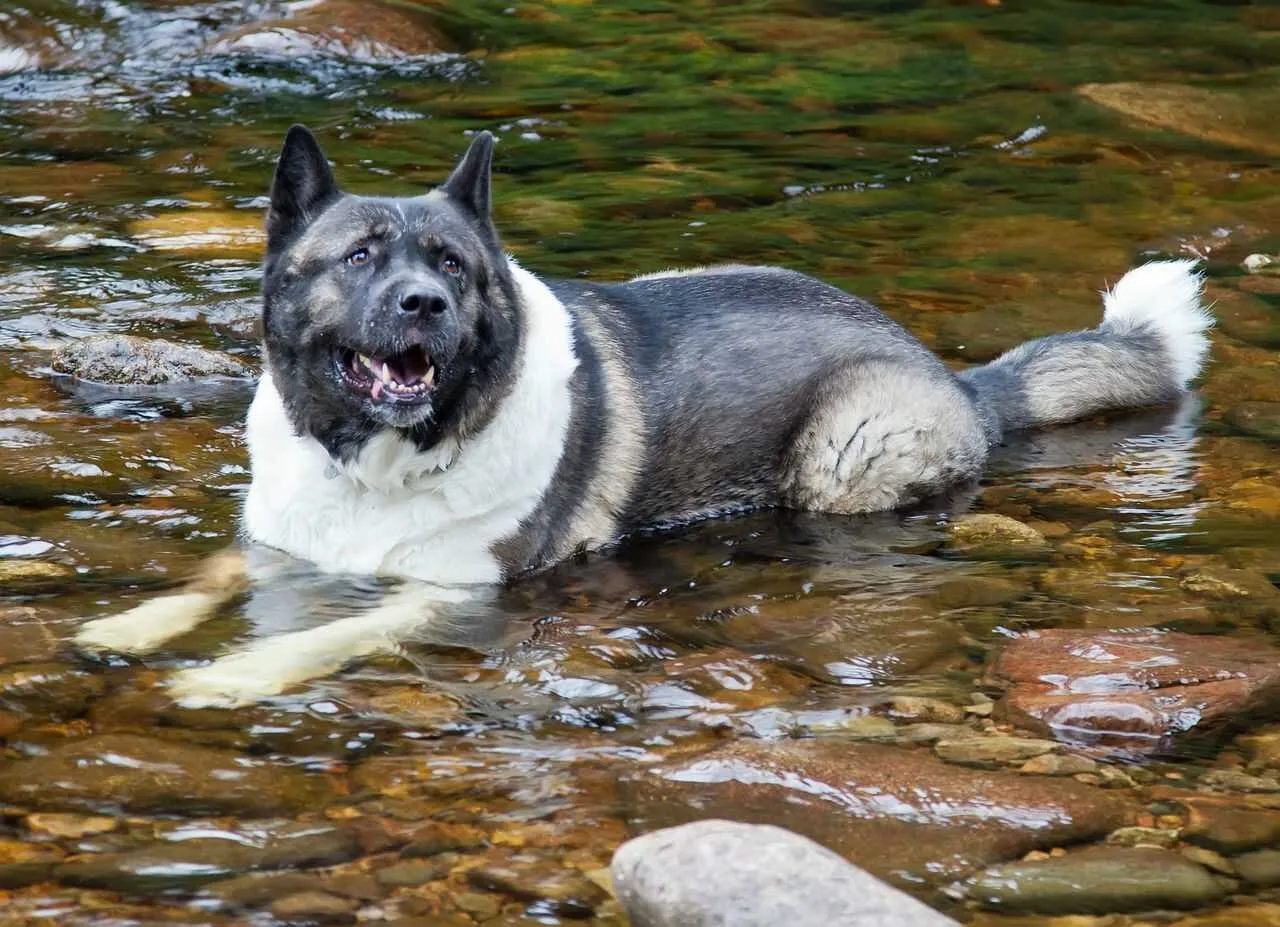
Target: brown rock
[(992, 751), (1229, 827), (147, 775), (359, 29), (899, 813), (413, 872), (531, 878), (1214, 115), (315, 908), (994, 536), (205, 859), (1135, 691), (439, 837), (70, 826)]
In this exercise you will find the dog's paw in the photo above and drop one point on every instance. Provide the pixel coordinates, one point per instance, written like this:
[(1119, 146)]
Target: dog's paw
[(230, 682), (147, 626)]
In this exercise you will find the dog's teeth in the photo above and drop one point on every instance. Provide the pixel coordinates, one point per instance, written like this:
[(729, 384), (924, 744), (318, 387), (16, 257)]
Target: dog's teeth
[(430, 376), (364, 360), (386, 375)]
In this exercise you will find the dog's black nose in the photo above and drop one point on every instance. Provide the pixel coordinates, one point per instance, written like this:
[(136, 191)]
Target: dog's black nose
[(424, 303)]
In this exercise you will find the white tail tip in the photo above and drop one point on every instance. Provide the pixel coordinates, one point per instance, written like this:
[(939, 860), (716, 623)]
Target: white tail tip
[(1164, 297)]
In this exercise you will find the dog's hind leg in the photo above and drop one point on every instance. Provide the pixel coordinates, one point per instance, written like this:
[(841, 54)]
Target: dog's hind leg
[(145, 627), (271, 665), (883, 434)]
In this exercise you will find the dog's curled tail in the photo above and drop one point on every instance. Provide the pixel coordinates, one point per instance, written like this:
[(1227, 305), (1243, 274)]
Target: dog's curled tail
[(1149, 347)]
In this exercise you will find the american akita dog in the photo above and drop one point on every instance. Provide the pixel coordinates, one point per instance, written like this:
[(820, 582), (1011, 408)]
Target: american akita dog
[(432, 411)]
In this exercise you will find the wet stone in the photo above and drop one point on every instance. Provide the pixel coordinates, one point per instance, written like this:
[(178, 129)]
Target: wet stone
[(56, 689), (206, 859), (1258, 419), (256, 891), (1135, 691), (530, 878), (1145, 837), (366, 31), (315, 908), (898, 813), (1213, 115), (1098, 880), (24, 638), (23, 863), (70, 826), (126, 360), (721, 872), (993, 751), (1229, 827), (414, 872), (147, 775), (989, 536), (1050, 764), (480, 906), (1260, 868), (438, 837)]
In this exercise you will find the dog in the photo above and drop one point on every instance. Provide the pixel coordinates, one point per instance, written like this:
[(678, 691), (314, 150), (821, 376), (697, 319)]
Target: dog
[(432, 411)]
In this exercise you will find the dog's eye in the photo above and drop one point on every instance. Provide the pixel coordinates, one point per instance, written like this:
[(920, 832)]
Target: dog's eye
[(451, 266), (358, 257)]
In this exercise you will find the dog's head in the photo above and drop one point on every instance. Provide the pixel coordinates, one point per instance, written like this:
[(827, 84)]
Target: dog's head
[(386, 313)]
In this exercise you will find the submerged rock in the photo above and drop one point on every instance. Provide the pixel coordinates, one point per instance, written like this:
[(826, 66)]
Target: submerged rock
[(994, 536), (148, 775), (562, 891), (898, 813), (1212, 115), (126, 361), (1098, 880), (359, 30), (1135, 691), (748, 875), (180, 863)]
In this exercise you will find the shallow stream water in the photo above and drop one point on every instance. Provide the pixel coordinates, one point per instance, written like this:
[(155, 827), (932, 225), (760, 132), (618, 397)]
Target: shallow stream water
[(979, 169)]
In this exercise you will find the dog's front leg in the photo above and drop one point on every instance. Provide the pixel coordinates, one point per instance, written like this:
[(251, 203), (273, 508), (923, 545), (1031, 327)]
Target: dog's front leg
[(145, 627), (271, 665)]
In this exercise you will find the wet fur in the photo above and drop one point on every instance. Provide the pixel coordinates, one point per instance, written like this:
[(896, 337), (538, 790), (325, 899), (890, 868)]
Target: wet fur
[(568, 414)]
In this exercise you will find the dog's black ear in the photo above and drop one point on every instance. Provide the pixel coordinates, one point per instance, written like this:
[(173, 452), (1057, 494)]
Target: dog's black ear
[(303, 185), (468, 185)]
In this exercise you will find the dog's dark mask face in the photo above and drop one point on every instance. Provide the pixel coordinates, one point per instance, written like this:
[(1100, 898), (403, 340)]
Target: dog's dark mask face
[(386, 312)]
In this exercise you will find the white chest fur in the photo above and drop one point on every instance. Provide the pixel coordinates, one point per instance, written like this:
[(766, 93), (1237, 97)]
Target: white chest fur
[(395, 511)]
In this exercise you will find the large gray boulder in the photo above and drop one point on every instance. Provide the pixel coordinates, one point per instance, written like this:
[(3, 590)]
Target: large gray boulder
[(726, 874)]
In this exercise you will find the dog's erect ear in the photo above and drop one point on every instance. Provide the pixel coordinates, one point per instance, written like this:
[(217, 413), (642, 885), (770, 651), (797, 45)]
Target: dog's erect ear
[(303, 185), (468, 185)]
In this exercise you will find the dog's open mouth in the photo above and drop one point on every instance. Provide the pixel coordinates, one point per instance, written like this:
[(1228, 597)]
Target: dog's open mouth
[(406, 377)]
